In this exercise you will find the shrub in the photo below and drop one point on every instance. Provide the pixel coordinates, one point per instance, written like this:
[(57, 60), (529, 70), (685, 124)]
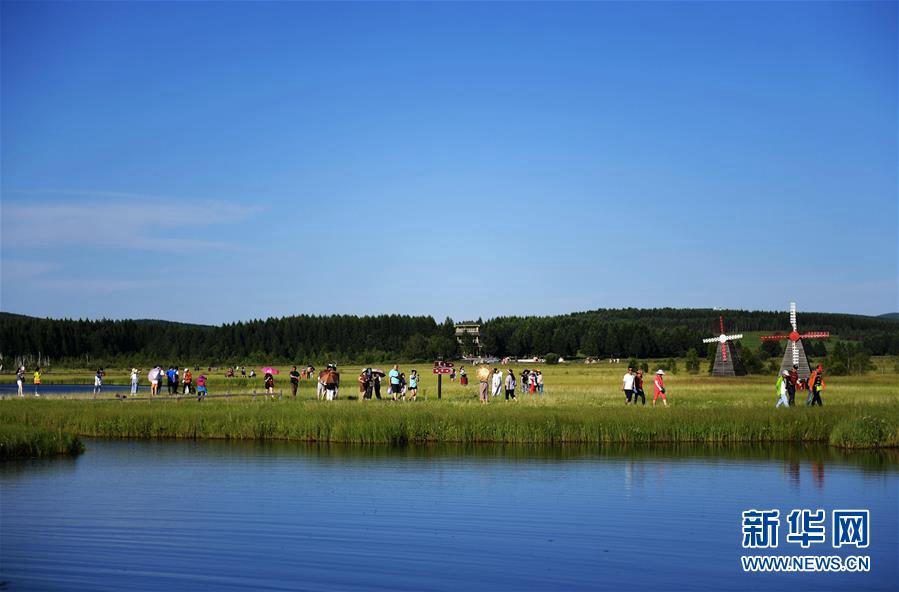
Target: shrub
[(692, 361), (551, 358)]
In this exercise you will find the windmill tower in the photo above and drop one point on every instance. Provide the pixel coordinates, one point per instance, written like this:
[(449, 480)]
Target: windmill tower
[(726, 361), (795, 353)]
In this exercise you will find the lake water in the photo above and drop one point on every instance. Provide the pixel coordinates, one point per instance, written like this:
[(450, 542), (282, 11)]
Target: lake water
[(242, 516)]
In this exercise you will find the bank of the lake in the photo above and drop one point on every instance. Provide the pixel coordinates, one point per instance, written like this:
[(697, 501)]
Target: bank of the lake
[(29, 441), (869, 425)]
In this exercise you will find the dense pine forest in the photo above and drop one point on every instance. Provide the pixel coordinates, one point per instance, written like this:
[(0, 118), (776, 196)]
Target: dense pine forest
[(642, 333)]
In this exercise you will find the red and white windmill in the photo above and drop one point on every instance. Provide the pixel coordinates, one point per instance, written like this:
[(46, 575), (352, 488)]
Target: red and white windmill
[(726, 362), (795, 353)]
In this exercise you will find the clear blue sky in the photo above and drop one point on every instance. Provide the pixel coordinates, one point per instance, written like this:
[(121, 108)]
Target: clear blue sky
[(214, 162)]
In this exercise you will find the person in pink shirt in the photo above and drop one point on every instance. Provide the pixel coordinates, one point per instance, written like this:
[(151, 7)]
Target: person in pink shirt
[(201, 387), (659, 384)]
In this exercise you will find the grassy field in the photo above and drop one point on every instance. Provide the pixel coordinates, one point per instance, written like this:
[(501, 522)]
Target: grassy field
[(582, 403)]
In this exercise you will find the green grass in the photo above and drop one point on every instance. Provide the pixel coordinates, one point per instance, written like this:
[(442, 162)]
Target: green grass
[(29, 441), (583, 404)]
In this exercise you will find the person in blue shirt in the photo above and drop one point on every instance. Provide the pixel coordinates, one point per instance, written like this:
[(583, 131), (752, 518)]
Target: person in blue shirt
[(394, 376), (413, 385), (170, 375)]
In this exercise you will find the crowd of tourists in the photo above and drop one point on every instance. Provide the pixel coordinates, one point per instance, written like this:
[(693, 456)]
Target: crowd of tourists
[(789, 382), (632, 385), (399, 387)]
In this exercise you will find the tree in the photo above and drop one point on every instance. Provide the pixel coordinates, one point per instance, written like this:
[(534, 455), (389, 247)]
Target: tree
[(751, 361), (692, 361)]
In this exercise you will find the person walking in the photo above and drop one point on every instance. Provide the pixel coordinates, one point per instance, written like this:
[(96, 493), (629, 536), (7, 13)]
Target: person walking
[(792, 383), (188, 381), (134, 372), (170, 379), (815, 386), (269, 381), (496, 382), (403, 385), (98, 381), (638, 387), (463, 376), (659, 384), (320, 387), (781, 389), (539, 380), (294, 381), (37, 381), (532, 382), (201, 388), (483, 383), (332, 382), (364, 384), (376, 384), (154, 380), (20, 381), (510, 385), (394, 381), (524, 380), (413, 385), (628, 385)]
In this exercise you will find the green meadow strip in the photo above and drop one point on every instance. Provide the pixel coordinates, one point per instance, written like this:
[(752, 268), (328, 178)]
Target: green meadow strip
[(846, 425), (28, 441)]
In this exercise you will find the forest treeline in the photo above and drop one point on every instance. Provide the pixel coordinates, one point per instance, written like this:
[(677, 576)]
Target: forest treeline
[(643, 333)]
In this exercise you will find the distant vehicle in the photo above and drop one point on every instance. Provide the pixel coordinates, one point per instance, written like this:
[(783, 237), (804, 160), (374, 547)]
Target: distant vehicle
[(490, 360)]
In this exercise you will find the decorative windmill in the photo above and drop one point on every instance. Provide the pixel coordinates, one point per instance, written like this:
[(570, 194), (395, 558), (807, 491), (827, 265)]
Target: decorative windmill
[(726, 361), (795, 353)]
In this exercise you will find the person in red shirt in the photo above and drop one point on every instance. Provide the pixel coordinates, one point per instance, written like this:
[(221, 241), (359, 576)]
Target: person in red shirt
[(792, 381), (659, 384), (638, 387)]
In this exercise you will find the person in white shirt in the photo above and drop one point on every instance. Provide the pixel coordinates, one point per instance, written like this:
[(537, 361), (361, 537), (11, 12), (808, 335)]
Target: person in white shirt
[(628, 385), (134, 381), (497, 382)]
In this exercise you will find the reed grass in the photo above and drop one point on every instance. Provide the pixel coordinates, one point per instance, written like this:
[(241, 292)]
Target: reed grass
[(844, 425), (29, 441)]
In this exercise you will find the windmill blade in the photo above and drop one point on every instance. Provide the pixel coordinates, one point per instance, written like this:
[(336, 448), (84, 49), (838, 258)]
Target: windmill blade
[(721, 320), (815, 335), (774, 337), (733, 337), (710, 340), (795, 353), (793, 315), (724, 352)]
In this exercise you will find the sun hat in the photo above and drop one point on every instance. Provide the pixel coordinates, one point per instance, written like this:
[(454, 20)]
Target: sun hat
[(660, 371)]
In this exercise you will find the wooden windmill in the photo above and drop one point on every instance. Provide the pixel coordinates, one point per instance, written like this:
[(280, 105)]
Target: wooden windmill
[(795, 353), (726, 361)]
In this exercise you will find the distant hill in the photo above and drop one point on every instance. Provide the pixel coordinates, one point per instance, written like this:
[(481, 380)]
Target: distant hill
[(643, 333), (156, 322), (893, 316)]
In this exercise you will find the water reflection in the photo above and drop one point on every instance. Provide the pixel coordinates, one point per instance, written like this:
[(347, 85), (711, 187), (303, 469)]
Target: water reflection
[(219, 515)]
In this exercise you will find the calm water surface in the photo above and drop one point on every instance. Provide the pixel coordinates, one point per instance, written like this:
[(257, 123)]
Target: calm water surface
[(241, 516)]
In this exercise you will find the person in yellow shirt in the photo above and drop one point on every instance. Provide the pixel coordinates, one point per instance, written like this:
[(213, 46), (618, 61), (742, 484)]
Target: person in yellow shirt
[(37, 380)]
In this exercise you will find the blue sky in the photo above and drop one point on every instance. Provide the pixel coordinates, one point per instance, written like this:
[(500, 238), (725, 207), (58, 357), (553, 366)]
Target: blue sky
[(214, 162)]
